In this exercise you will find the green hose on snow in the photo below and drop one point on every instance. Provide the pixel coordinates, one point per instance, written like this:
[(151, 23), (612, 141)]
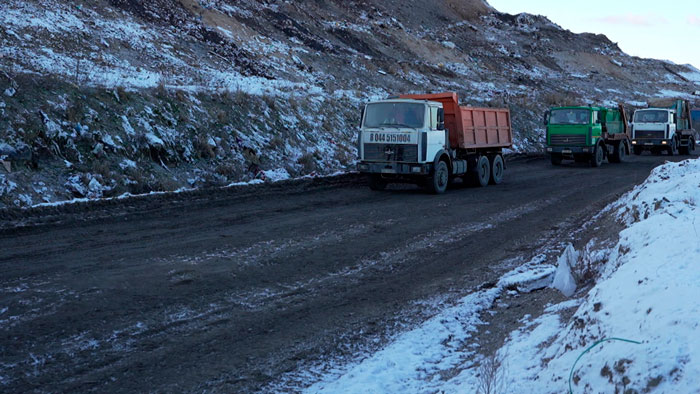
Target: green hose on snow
[(596, 343)]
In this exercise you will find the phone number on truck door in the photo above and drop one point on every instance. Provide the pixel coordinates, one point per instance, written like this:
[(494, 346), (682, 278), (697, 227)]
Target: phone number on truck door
[(390, 138)]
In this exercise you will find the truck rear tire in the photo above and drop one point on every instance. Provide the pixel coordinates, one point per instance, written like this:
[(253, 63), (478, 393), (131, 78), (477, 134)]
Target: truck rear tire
[(688, 149), (483, 172), (497, 170), (618, 155), (437, 183), (598, 156), (376, 182), (556, 159)]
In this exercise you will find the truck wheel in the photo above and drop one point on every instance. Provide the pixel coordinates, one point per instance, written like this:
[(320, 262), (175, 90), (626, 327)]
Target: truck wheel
[(437, 183), (598, 156), (376, 182), (497, 170), (483, 171), (556, 159), (619, 154), (637, 150), (688, 149), (673, 149)]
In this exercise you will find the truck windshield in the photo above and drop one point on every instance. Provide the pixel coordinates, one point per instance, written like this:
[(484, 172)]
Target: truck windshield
[(653, 116), (395, 115), (570, 116)]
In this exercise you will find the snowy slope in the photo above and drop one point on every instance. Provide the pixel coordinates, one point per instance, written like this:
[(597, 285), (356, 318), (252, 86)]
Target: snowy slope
[(200, 93), (643, 308)]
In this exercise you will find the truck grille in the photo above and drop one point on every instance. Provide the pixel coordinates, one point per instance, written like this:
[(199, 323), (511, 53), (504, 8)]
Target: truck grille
[(650, 134), (391, 152), (567, 139)]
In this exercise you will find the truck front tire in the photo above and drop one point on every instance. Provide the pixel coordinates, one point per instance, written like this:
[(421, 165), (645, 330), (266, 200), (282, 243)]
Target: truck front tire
[(376, 182), (673, 149), (437, 183), (556, 159), (598, 156)]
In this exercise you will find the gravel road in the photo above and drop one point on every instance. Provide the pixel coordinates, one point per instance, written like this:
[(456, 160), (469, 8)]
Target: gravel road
[(228, 290)]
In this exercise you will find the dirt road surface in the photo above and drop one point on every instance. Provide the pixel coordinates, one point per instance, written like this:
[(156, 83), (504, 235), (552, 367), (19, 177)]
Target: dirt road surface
[(228, 290)]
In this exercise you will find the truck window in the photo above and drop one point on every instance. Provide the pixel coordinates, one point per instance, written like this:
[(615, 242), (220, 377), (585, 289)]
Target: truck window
[(395, 115), (570, 116), (651, 116), (433, 118)]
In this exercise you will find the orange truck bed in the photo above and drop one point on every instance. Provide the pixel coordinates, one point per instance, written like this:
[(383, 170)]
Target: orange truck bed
[(472, 127)]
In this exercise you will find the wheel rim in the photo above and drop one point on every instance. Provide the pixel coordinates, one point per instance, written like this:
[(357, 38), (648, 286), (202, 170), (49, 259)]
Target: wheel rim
[(484, 172), (621, 154), (674, 147), (498, 170), (442, 177), (599, 156)]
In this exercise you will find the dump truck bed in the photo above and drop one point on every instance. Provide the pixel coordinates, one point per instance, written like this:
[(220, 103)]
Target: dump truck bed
[(472, 127)]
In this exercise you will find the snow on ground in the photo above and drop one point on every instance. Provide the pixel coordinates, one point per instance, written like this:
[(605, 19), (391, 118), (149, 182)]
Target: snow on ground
[(415, 360), (636, 329)]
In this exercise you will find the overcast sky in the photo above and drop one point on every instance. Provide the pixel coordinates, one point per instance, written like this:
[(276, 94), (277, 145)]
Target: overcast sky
[(656, 29)]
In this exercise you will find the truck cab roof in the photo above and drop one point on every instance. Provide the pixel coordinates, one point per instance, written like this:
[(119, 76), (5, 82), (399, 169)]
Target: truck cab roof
[(408, 101), (581, 107)]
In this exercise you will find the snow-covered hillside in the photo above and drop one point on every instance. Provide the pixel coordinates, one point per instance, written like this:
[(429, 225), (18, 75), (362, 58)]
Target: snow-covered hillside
[(109, 97), (634, 331)]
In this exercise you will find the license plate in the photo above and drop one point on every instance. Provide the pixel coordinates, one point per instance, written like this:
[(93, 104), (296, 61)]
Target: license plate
[(388, 171), (566, 151), (391, 138), (648, 143)]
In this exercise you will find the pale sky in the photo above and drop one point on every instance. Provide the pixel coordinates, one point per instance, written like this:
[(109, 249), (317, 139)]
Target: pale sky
[(668, 30)]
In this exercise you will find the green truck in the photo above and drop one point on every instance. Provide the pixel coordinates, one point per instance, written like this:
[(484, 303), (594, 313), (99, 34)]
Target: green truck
[(587, 134)]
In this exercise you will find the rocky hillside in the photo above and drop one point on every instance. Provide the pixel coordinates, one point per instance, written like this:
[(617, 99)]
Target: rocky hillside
[(106, 97)]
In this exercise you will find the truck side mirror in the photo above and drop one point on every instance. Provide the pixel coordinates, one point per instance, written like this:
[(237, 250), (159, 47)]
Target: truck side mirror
[(545, 121), (675, 118), (441, 119), (362, 116)]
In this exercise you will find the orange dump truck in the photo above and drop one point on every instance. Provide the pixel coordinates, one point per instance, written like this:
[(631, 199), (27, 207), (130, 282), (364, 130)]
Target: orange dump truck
[(428, 139)]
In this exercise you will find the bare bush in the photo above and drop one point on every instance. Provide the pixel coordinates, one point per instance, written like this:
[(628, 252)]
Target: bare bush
[(491, 375)]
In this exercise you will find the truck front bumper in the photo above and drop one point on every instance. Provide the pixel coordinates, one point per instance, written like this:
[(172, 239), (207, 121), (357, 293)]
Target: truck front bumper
[(651, 142), (394, 168), (569, 150)]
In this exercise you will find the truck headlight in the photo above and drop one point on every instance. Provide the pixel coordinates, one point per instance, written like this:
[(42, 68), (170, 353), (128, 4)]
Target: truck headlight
[(416, 169), (634, 142), (664, 142)]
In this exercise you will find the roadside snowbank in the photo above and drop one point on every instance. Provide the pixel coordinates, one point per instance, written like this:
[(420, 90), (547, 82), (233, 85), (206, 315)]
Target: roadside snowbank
[(415, 361), (647, 293)]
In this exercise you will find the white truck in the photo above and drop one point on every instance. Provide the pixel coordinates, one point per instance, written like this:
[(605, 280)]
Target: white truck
[(665, 126), (429, 139)]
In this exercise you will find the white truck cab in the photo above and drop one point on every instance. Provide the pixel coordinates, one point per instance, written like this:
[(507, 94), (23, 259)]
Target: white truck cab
[(401, 136), (653, 126)]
